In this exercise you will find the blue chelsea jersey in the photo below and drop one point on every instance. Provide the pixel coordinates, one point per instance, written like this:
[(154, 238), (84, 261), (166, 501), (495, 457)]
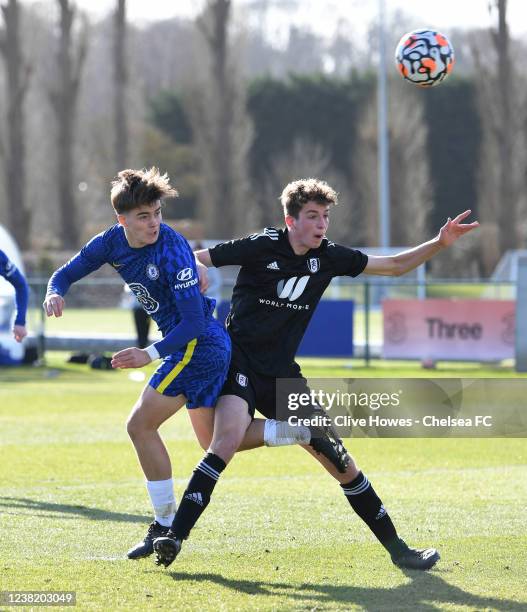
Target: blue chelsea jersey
[(159, 274)]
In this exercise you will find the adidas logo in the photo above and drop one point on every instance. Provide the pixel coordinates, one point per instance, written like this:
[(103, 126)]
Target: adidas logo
[(382, 512), (195, 497), (273, 266), (269, 232)]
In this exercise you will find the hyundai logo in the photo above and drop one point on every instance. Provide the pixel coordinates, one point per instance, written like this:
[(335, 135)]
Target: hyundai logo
[(185, 274)]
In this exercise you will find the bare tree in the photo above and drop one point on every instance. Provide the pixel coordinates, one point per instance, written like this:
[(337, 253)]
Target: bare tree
[(64, 97), (221, 127), (303, 159), (341, 49), (18, 76), (502, 114), (507, 217), (363, 173), (120, 90)]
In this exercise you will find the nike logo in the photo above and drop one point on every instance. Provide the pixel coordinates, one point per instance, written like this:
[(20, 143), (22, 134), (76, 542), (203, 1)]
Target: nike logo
[(117, 265)]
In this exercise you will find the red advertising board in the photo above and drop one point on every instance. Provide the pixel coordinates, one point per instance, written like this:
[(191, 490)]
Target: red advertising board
[(478, 330)]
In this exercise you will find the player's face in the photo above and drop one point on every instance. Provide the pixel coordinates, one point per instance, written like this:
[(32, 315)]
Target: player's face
[(141, 224), (308, 231)]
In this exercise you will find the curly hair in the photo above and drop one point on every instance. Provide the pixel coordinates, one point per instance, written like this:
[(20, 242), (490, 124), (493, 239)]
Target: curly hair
[(298, 193), (133, 188)]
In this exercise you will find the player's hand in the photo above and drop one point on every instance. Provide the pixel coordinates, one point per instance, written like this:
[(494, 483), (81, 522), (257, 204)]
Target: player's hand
[(19, 332), (130, 358), (54, 305), (454, 229), (203, 274)]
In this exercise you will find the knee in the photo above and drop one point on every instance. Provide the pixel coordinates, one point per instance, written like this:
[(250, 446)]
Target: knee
[(230, 425), (136, 426), (352, 471), (226, 444), (133, 428)]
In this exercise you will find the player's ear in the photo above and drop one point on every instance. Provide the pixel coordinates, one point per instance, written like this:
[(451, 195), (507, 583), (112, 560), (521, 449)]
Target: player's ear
[(121, 219), (289, 221)]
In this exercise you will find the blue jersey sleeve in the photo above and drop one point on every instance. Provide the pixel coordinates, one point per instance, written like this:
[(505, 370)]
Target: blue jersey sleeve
[(90, 258), (22, 296), (180, 264), (12, 274), (191, 326)]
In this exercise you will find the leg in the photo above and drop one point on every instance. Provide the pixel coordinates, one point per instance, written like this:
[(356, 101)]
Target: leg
[(364, 501), (351, 470), (269, 432), (202, 420), (231, 420), (254, 436), (369, 507), (258, 434), (253, 390), (150, 411)]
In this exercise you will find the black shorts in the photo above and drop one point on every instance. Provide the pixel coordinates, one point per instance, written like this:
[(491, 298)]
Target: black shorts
[(258, 390)]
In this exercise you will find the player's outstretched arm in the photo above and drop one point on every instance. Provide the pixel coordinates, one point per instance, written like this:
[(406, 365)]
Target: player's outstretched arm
[(403, 262), (90, 258)]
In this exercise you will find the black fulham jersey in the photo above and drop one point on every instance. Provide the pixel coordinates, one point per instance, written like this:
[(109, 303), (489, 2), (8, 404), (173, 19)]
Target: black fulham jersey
[(277, 291)]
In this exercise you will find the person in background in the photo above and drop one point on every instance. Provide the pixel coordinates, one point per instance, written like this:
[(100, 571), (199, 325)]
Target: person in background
[(13, 275)]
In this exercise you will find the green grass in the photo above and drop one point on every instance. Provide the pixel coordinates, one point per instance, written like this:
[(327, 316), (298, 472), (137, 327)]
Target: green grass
[(471, 291), (97, 320), (278, 534), (119, 320)]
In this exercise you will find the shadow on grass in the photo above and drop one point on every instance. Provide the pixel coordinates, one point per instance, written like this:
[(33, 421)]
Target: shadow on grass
[(59, 510), (422, 593)]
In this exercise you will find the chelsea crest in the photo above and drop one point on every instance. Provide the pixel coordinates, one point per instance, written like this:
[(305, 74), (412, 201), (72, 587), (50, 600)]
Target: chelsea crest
[(152, 271)]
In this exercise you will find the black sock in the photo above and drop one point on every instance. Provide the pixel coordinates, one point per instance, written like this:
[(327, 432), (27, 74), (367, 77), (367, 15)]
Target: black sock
[(197, 495), (369, 507)]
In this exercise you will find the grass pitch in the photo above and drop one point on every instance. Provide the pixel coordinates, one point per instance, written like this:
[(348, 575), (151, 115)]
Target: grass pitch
[(278, 535)]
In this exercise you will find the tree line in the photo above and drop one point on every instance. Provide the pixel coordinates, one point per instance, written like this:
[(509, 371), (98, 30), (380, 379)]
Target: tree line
[(233, 119)]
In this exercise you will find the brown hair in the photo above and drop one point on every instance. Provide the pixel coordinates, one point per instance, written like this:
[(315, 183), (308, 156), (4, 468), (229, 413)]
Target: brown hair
[(133, 188), (298, 193)]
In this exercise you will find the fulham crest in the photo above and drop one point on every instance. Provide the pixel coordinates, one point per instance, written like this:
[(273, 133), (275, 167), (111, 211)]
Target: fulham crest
[(313, 264), (241, 379)]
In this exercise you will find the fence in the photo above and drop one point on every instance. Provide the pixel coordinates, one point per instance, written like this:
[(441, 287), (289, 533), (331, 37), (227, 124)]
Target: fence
[(95, 320)]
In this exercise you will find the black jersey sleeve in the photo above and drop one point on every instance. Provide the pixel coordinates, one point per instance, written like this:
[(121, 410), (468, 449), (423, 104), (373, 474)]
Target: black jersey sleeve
[(346, 261), (240, 252)]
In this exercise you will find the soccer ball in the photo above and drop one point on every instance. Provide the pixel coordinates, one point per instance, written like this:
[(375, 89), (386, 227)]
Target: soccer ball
[(424, 57)]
